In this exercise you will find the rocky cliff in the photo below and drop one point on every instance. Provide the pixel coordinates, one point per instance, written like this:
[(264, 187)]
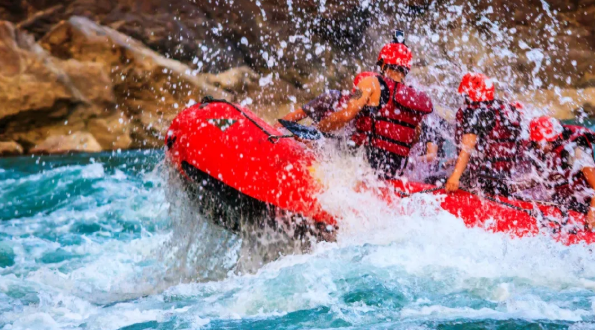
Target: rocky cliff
[(90, 75)]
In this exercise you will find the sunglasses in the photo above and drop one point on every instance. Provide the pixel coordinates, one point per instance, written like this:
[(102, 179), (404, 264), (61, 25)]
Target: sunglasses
[(395, 67)]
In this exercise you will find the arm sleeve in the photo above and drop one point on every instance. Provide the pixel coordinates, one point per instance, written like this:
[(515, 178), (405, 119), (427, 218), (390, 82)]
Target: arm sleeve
[(321, 105)]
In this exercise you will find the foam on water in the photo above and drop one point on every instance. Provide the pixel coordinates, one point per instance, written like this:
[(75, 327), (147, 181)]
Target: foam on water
[(99, 242), (108, 257)]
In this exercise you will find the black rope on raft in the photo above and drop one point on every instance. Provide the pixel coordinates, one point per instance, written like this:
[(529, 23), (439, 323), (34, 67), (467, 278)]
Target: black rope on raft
[(563, 212), (274, 138), (512, 206), (531, 213), (405, 194)]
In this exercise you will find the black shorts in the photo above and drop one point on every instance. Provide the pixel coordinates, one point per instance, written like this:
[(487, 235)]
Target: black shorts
[(386, 164), (488, 186), (573, 204)]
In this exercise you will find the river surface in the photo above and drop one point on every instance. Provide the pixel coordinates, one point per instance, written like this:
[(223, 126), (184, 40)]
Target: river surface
[(102, 242)]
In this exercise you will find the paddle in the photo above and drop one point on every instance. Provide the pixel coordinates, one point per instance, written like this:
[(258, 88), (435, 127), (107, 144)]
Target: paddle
[(301, 131)]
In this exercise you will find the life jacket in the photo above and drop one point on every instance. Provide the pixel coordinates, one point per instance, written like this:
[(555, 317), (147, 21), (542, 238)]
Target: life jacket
[(391, 126), (498, 148), (565, 181)]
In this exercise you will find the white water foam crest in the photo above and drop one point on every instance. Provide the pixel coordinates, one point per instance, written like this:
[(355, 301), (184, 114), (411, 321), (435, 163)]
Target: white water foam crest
[(416, 240), (417, 234), (416, 251), (111, 273), (527, 310)]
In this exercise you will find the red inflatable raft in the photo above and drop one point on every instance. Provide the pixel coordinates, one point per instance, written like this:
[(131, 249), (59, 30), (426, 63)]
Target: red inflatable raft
[(244, 172)]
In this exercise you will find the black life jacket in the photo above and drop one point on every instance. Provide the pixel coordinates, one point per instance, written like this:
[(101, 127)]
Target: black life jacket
[(498, 148), (564, 180)]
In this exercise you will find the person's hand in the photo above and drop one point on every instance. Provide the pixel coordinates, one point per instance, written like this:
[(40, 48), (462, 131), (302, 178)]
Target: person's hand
[(514, 188), (452, 184), (449, 163), (308, 143), (429, 158), (590, 219)]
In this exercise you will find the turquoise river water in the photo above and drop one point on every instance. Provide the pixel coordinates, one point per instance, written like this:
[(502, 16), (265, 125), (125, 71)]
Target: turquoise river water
[(104, 242)]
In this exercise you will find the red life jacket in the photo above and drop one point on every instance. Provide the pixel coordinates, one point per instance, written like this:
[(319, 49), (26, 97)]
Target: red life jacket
[(566, 182), (391, 125), (498, 148)]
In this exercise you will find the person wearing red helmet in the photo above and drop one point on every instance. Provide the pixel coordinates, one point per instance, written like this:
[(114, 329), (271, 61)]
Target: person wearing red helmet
[(487, 135), (563, 155), (385, 110)]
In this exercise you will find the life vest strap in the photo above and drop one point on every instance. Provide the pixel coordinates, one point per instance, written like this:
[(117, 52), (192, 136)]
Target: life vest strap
[(410, 110), (396, 122), (370, 136), (384, 138)]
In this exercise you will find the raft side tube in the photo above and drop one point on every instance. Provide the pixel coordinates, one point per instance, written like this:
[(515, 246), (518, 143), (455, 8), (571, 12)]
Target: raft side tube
[(239, 213)]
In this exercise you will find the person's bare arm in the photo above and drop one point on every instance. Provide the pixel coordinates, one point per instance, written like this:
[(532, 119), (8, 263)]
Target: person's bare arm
[(359, 98), (468, 145), (295, 116), (589, 173), (418, 133), (431, 152)]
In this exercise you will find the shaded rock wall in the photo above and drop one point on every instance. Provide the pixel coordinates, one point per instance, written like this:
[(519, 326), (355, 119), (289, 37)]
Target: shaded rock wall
[(82, 78)]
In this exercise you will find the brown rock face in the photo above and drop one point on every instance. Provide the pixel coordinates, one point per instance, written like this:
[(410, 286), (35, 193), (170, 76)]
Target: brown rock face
[(30, 80), (61, 144), (563, 103), (149, 89), (88, 78), (35, 91), (10, 148), (111, 132)]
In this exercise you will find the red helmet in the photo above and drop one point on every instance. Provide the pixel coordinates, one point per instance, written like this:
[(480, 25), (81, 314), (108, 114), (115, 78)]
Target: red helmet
[(545, 129), (478, 87), (396, 53)]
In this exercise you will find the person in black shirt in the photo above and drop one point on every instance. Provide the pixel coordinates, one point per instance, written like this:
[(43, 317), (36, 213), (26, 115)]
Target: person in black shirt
[(488, 138)]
